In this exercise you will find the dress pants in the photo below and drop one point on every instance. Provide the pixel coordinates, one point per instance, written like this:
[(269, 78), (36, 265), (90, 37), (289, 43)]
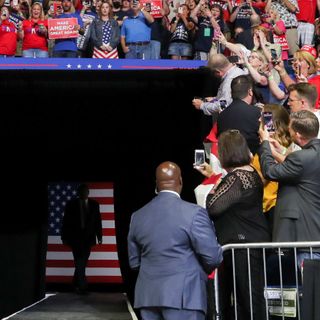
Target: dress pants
[(81, 253), (242, 284), (157, 313), (311, 290)]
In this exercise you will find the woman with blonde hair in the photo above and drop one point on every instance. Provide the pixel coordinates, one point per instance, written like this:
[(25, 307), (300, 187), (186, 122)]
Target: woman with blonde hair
[(280, 133), (305, 68), (34, 32)]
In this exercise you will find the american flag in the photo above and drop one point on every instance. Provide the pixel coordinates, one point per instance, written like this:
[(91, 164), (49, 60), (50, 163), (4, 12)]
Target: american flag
[(106, 35), (101, 54), (103, 265)]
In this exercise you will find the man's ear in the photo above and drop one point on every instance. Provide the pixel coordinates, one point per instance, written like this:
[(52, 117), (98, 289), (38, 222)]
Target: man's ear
[(299, 137)]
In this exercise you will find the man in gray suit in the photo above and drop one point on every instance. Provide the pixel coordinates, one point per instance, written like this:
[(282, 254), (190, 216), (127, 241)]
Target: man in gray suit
[(297, 212), (174, 246)]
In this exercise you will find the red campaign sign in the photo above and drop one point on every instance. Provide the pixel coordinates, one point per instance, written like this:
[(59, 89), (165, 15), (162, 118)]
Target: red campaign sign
[(156, 6), (62, 28)]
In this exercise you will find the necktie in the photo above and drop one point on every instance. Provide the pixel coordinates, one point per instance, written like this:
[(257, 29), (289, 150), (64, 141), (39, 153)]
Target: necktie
[(83, 213)]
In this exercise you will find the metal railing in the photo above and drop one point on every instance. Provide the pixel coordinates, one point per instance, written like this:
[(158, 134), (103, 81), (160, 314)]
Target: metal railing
[(276, 250)]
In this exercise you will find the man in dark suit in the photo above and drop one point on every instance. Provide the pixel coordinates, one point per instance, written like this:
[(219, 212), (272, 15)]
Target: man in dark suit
[(173, 244), (297, 212), (241, 114), (80, 228)]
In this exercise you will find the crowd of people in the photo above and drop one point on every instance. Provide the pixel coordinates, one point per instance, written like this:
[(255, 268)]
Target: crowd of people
[(171, 29), (262, 184)]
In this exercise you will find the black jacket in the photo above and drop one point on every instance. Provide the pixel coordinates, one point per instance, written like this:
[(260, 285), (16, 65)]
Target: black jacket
[(243, 117), (72, 232), (297, 212)]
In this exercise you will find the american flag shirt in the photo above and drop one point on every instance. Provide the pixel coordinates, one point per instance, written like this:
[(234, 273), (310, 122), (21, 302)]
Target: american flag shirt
[(106, 32)]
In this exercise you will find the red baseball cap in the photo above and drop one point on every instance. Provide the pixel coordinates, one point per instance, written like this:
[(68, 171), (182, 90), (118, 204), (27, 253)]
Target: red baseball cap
[(309, 49)]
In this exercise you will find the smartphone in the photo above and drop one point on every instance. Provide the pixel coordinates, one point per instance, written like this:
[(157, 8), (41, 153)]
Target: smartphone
[(223, 104), (268, 122), (216, 33), (199, 157), (299, 70), (180, 10), (233, 59), (274, 55), (15, 2)]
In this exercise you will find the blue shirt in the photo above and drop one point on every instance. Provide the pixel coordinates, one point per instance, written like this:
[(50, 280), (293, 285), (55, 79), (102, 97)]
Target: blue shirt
[(136, 29), (68, 44)]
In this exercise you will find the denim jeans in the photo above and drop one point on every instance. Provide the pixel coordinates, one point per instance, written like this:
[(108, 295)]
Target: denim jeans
[(139, 52), (155, 49), (35, 53), (181, 49)]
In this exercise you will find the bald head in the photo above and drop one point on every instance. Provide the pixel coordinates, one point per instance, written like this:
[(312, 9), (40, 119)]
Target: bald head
[(219, 62), (168, 176)]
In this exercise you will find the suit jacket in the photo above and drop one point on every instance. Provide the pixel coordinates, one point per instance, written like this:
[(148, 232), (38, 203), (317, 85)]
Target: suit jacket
[(243, 117), (72, 233), (172, 242), (297, 212)]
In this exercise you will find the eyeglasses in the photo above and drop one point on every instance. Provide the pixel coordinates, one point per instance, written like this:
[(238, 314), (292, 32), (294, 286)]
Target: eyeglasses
[(235, 131)]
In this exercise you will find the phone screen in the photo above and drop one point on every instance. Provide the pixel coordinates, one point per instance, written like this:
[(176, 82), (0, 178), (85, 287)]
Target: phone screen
[(299, 70), (268, 122), (199, 157), (233, 59), (274, 56)]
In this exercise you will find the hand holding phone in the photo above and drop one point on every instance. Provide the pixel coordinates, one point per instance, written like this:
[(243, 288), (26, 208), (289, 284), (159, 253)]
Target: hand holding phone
[(267, 121), (299, 69), (199, 157)]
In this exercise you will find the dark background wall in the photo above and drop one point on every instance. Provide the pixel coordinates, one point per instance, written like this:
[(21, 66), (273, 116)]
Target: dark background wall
[(88, 126)]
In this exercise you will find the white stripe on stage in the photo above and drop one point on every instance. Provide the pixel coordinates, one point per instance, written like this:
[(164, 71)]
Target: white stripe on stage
[(105, 240), (93, 256), (89, 271)]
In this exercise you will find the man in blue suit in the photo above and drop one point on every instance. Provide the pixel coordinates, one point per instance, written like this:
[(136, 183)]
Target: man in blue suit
[(174, 246)]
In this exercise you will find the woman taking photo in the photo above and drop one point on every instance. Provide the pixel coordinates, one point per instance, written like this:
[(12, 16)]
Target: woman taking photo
[(279, 133), (235, 206), (105, 34)]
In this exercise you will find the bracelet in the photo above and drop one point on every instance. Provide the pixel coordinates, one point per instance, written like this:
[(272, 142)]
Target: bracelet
[(270, 77), (284, 151)]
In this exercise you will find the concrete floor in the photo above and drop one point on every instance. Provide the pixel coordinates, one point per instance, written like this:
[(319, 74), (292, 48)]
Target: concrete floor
[(70, 306)]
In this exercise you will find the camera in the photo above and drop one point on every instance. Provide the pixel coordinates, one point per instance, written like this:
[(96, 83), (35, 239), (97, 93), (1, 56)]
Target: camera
[(233, 59), (274, 56), (223, 104)]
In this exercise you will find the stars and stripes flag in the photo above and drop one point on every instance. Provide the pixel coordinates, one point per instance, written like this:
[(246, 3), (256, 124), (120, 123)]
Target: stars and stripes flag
[(101, 54), (106, 35), (103, 265)]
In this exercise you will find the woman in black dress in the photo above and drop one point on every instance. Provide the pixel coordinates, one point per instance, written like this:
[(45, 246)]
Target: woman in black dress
[(235, 206)]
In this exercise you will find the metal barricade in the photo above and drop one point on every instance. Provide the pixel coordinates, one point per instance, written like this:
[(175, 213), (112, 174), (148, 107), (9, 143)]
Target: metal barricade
[(278, 259)]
